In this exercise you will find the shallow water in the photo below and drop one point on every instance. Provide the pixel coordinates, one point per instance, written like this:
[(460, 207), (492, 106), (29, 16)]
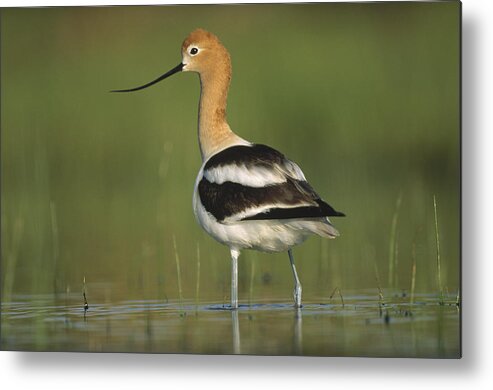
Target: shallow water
[(359, 327)]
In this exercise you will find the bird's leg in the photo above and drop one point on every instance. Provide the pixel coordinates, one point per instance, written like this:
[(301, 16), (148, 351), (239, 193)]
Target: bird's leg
[(297, 284), (234, 278)]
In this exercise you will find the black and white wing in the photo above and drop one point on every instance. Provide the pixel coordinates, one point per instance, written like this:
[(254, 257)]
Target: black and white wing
[(256, 182)]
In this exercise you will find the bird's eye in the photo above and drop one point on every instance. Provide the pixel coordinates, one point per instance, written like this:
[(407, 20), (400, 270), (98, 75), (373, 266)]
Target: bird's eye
[(194, 51)]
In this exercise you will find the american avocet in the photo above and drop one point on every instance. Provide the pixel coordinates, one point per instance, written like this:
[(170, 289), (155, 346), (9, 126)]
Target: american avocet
[(246, 196)]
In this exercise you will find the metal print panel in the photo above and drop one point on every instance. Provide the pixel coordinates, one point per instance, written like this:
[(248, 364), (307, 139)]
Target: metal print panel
[(232, 179)]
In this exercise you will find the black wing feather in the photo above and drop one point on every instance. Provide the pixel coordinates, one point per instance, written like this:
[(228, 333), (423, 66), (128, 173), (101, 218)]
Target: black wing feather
[(227, 199)]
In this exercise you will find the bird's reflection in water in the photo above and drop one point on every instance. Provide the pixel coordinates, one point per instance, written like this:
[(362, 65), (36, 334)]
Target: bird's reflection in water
[(297, 332), (236, 331)]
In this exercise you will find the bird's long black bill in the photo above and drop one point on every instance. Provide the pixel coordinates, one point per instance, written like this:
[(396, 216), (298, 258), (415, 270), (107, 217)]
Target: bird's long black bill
[(176, 69)]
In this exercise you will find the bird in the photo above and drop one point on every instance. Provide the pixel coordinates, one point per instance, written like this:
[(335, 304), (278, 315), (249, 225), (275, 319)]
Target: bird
[(246, 195)]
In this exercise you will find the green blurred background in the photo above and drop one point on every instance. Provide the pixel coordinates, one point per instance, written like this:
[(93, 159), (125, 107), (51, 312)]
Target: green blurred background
[(365, 97)]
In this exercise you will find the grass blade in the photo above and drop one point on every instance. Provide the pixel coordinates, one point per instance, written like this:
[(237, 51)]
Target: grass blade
[(393, 244), (438, 259), (413, 275), (197, 286), (178, 271)]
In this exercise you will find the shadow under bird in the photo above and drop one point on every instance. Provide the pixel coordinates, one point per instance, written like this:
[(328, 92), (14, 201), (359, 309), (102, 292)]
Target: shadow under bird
[(246, 195)]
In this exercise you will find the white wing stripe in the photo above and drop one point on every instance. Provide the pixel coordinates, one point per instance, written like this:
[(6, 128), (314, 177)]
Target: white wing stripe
[(256, 177), (260, 209)]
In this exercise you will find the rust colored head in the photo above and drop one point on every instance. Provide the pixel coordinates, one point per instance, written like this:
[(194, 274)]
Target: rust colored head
[(203, 52)]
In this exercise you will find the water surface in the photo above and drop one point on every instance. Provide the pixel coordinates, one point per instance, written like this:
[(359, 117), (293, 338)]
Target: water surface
[(362, 326)]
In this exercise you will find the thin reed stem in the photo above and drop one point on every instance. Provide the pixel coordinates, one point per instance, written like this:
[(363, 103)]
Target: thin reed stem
[(377, 279), (438, 257), (340, 295), (197, 286), (86, 305), (12, 258), (393, 244), (413, 274), (56, 245), (252, 278), (178, 271)]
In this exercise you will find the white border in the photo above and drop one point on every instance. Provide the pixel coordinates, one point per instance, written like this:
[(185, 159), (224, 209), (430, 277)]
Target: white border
[(131, 371)]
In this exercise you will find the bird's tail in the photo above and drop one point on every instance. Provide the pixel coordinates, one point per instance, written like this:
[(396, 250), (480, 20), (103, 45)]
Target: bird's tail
[(319, 226), (325, 229)]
